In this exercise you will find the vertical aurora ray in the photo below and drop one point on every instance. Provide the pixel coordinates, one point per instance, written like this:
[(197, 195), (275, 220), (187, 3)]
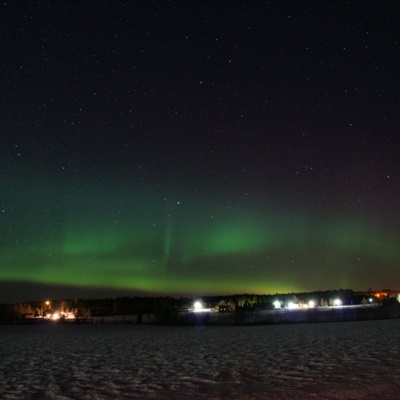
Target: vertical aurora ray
[(168, 236)]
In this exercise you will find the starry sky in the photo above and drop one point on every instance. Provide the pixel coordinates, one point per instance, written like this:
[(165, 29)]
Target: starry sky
[(193, 148)]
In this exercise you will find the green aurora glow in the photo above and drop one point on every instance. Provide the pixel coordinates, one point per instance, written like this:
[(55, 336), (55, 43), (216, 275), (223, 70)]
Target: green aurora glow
[(161, 245)]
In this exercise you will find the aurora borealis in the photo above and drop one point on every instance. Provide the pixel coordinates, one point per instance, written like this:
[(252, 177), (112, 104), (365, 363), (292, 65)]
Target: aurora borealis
[(199, 147)]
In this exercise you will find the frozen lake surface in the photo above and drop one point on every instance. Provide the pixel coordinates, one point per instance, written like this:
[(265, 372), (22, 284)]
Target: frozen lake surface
[(346, 360)]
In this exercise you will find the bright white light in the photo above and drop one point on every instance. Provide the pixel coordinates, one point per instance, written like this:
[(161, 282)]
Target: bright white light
[(311, 304), (337, 302), (197, 306), (56, 316), (277, 304), (292, 305)]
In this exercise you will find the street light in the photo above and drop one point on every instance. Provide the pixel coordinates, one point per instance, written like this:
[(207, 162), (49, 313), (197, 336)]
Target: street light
[(46, 312), (198, 306), (337, 302)]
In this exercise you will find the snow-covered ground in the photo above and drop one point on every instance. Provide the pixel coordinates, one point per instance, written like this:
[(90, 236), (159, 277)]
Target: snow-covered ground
[(346, 360)]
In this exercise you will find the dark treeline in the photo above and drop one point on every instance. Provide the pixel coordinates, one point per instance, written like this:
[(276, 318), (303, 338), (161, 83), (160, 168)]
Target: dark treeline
[(166, 306)]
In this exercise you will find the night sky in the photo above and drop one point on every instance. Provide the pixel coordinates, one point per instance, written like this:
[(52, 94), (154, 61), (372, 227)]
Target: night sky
[(192, 148)]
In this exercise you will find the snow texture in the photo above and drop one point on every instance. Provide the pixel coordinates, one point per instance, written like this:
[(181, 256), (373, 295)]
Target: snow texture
[(345, 360)]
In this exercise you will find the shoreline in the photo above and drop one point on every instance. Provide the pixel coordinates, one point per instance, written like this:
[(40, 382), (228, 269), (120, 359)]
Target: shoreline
[(235, 318)]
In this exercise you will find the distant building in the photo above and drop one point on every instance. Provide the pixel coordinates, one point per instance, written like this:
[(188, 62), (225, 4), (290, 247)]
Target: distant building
[(379, 294)]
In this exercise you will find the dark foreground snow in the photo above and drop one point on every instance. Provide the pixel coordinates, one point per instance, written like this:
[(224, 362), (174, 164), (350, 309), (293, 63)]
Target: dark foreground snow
[(351, 360)]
